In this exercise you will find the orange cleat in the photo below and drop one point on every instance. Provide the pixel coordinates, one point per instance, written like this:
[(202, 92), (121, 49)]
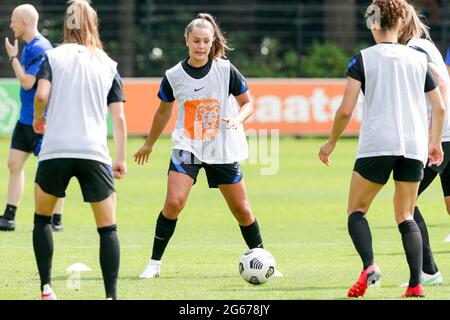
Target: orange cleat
[(368, 277), (416, 292)]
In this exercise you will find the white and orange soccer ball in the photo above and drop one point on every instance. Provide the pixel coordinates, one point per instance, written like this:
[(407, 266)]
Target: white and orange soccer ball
[(257, 266)]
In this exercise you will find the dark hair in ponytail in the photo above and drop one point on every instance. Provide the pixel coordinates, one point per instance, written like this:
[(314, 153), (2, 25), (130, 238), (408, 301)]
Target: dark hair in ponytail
[(205, 20)]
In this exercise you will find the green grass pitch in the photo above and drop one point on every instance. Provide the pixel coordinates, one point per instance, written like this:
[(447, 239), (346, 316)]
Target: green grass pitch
[(301, 212)]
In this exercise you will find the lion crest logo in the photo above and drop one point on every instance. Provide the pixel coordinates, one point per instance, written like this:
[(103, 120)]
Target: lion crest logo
[(202, 119)]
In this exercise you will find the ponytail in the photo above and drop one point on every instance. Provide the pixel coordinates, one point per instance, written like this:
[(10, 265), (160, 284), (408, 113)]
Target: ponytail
[(414, 27)]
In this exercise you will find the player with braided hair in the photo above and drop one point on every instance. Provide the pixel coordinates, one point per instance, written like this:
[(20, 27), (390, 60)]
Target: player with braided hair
[(393, 137)]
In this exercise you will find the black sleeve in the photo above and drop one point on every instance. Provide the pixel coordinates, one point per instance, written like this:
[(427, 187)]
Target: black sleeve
[(116, 93), (355, 70), (238, 85), (430, 81), (165, 91), (45, 72), (423, 51)]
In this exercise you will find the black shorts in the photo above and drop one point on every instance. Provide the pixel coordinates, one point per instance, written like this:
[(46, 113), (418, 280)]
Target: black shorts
[(378, 169), (443, 170), (96, 179), (443, 166), (25, 139), (217, 174)]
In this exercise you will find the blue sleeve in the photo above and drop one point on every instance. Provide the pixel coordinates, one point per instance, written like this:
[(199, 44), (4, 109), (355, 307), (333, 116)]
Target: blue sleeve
[(165, 91), (35, 53), (355, 70), (447, 60), (38, 50), (238, 84)]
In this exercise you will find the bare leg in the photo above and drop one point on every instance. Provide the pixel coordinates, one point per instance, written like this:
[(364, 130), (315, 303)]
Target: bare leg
[(237, 200), (16, 162)]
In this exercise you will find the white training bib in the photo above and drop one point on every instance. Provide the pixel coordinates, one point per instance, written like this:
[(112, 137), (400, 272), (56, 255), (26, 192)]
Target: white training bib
[(76, 124), (202, 104), (394, 118), (437, 59)]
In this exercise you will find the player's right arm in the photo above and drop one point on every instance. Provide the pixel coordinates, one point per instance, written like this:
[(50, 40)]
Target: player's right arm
[(40, 103), (355, 81), (26, 80), (160, 121)]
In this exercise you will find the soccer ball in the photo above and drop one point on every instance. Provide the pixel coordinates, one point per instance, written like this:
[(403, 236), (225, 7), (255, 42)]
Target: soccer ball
[(257, 266)]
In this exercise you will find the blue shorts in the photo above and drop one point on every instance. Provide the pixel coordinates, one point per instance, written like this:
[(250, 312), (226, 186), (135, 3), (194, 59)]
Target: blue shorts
[(185, 162)]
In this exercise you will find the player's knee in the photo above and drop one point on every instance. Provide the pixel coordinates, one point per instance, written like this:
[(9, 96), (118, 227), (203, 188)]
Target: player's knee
[(357, 208), (14, 167), (243, 213), (401, 216), (173, 207)]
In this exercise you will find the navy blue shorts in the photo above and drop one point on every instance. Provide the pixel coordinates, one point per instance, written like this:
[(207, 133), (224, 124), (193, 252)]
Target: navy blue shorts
[(96, 179), (185, 162), (25, 139), (378, 169)]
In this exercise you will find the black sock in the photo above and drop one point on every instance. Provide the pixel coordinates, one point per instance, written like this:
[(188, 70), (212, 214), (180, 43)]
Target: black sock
[(109, 259), (359, 231), (412, 243), (163, 232), (56, 219), (10, 212), (43, 247), (252, 235), (429, 266)]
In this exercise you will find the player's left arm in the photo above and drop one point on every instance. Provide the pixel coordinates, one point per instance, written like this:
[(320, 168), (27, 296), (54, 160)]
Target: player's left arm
[(239, 89), (246, 110), (441, 82), (115, 100), (120, 138)]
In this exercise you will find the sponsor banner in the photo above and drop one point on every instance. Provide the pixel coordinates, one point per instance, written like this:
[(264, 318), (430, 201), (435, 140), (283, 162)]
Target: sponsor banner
[(9, 106), (297, 107)]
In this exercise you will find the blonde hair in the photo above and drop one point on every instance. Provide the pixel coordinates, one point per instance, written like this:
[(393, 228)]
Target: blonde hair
[(28, 13), (413, 27), (205, 20), (81, 25)]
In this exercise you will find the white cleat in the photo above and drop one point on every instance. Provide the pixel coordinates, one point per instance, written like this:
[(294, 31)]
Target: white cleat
[(152, 270), (48, 293), (277, 274), (448, 238), (428, 280)]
